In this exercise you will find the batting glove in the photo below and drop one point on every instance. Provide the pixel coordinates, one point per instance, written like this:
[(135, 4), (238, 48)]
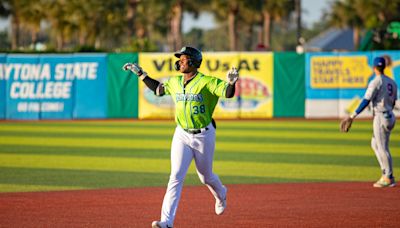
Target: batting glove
[(136, 69), (233, 75)]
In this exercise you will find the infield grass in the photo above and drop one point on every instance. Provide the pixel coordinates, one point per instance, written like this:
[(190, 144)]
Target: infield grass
[(65, 155)]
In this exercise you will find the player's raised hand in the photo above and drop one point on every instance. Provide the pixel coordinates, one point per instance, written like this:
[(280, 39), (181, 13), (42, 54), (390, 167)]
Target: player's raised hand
[(134, 67), (233, 75)]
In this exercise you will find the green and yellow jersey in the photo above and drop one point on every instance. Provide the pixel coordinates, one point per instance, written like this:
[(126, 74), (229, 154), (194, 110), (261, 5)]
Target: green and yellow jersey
[(195, 102)]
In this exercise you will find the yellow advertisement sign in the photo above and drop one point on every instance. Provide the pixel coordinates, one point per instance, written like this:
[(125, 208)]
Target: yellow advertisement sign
[(159, 66), (332, 72), (254, 90)]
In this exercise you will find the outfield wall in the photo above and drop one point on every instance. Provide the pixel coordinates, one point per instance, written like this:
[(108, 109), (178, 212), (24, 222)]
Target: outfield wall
[(94, 86)]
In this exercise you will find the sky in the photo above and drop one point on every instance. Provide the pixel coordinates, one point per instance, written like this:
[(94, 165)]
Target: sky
[(4, 23), (312, 12)]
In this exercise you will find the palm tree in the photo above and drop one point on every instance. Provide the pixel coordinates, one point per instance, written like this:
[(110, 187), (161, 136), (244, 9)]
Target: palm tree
[(247, 18), (378, 13), (232, 15), (5, 10), (228, 10), (177, 8), (176, 24), (89, 23), (112, 26), (59, 17), (247, 13), (146, 27), (12, 8), (82, 19), (274, 10), (32, 14), (131, 14)]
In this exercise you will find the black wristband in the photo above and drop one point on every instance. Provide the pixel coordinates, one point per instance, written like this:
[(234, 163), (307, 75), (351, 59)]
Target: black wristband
[(230, 91), (151, 83)]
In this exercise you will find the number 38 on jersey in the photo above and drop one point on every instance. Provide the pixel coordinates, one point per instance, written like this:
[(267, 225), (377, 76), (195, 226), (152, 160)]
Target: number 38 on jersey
[(199, 109)]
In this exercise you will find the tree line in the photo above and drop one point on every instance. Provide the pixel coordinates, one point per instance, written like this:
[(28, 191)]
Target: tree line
[(156, 25)]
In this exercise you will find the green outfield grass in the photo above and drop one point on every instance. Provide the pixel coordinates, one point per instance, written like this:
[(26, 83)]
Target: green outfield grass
[(64, 155)]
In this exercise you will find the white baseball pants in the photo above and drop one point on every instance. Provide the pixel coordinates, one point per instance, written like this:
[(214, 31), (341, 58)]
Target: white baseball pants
[(383, 124), (185, 147)]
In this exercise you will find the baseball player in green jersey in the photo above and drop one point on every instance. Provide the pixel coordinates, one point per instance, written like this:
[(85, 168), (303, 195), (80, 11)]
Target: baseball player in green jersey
[(195, 96), (382, 93)]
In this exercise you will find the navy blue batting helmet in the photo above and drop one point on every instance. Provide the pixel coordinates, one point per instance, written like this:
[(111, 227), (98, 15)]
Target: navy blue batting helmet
[(193, 53)]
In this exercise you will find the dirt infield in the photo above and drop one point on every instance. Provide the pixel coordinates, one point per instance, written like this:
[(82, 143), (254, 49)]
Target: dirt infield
[(274, 205)]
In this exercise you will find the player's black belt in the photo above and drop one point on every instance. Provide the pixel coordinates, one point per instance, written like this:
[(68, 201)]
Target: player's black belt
[(195, 131)]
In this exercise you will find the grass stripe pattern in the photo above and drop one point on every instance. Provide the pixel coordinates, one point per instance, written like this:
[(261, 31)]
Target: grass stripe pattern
[(68, 155)]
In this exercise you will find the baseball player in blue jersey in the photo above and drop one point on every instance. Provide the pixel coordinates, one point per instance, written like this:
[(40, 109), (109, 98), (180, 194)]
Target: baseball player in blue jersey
[(382, 93), (195, 96)]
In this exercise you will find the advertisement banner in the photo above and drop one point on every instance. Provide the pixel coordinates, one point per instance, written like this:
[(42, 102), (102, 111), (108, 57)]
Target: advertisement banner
[(336, 83), (159, 66), (254, 90), (55, 86), (91, 86), (63, 105), (331, 77), (253, 98)]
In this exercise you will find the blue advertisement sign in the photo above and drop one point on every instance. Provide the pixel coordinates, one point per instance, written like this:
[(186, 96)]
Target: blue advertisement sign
[(25, 79), (90, 90), (336, 82), (337, 75), (345, 75), (49, 86)]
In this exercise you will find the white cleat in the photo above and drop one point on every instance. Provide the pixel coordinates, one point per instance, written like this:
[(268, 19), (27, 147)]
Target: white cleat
[(220, 205), (158, 224)]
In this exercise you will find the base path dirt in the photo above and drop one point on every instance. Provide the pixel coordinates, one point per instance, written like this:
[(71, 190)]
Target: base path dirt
[(271, 205)]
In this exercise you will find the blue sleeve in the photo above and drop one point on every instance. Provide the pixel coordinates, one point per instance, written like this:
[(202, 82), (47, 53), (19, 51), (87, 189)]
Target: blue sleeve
[(362, 106)]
